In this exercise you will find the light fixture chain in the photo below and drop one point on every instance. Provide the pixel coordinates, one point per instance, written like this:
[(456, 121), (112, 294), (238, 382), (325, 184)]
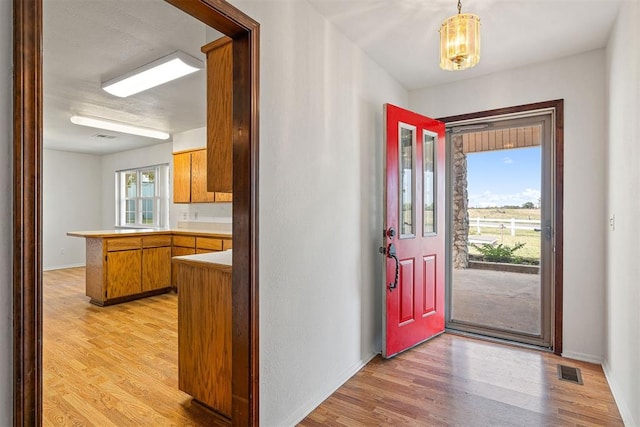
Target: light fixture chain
[(459, 6)]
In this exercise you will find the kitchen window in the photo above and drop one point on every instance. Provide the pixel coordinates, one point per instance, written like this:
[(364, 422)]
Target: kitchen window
[(142, 197)]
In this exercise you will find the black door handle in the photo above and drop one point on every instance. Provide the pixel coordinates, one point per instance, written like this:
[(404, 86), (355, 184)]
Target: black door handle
[(391, 253)]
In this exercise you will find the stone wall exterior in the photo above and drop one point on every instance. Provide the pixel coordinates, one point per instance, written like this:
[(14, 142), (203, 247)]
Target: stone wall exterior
[(460, 224)]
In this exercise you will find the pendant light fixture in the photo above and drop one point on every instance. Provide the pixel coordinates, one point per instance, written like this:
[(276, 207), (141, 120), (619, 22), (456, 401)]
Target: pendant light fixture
[(460, 41)]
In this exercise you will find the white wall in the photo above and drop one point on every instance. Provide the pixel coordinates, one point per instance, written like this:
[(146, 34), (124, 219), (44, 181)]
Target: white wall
[(6, 241), (622, 357), (72, 200), (320, 207), (580, 81), (191, 139), (146, 156)]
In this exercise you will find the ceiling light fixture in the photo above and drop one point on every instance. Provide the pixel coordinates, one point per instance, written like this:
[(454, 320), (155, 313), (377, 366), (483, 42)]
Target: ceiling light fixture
[(460, 41), (119, 127), (160, 71)]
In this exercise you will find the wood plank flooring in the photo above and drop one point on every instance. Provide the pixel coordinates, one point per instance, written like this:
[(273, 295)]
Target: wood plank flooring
[(117, 366), (112, 366), (457, 381)]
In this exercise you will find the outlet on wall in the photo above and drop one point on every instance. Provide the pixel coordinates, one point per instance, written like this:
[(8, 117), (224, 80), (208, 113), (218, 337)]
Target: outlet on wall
[(61, 251)]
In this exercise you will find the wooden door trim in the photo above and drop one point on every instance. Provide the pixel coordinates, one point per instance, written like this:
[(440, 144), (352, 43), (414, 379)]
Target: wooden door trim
[(27, 205), (558, 106)]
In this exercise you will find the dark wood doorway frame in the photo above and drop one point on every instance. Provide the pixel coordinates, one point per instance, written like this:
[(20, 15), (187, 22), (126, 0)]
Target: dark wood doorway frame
[(558, 131), (27, 204)]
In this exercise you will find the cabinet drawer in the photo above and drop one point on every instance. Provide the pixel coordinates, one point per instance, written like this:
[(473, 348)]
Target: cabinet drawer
[(184, 241), (180, 251), (227, 244), (123, 243), (156, 241), (209, 243)]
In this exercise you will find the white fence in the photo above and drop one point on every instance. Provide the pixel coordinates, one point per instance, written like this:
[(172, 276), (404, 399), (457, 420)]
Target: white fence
[(511, 224)]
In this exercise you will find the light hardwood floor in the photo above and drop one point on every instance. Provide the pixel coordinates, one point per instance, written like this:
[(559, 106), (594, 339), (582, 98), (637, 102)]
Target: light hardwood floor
[(117, 366), (112, 366), (457, 381)]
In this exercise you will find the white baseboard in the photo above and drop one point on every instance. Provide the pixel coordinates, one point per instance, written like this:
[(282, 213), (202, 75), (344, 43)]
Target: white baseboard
[(623, 407), (583, 357), (302, 412), (61, 267)]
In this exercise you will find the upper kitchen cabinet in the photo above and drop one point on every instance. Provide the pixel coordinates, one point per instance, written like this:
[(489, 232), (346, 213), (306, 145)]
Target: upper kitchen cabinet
[(182, 177), (220, 116), (190, 177)]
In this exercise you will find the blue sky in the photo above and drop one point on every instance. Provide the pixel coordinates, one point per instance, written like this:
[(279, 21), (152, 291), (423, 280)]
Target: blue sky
[(504, 177)]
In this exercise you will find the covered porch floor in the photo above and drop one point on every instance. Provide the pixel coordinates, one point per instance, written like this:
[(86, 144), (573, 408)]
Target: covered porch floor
[(497, 299)]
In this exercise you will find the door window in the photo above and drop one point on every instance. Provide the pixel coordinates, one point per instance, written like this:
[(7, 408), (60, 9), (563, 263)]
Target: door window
[(407, 179), (429, 183)]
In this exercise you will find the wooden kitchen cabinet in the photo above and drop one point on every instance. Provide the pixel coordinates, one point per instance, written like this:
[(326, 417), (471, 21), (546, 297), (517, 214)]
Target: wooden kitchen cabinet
[(190, 178), (124, 268), (156, 262), (204, 333), (182, 177), (220, 115), (182, 245), (121, 266), (189, 245), (199, 193), (123, 273)]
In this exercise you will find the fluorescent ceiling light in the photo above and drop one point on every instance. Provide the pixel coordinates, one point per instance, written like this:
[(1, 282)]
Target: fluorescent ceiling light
[(160, 71), (119, 127)]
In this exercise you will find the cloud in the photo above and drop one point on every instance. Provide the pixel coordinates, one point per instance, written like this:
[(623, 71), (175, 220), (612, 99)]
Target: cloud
[(507, 160), (488, 199)]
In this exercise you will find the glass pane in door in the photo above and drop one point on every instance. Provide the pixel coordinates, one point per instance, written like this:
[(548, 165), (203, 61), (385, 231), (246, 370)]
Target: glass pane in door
[(407, 180), (429, 183)]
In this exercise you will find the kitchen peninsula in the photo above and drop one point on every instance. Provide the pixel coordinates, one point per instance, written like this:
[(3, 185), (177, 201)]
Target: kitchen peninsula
[(127, 264)]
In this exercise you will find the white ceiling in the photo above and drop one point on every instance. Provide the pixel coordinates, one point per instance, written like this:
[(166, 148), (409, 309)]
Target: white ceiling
[(87, 42), (402, 35)]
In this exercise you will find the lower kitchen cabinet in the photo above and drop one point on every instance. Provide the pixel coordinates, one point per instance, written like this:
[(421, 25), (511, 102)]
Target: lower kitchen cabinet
[(156, 268), (204, 332), (123, 268), (123, 273)]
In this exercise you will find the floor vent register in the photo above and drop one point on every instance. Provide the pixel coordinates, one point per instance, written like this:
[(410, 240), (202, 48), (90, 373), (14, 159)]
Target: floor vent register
[(569, 373)]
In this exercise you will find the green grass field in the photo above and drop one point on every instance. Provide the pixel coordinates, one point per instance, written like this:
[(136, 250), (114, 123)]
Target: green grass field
[(530, 238)]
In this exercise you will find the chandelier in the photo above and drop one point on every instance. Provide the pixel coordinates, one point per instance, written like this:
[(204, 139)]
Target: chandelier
[(460, 41)]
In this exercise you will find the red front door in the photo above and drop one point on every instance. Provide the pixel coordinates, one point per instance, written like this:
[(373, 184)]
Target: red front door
[(414, 229)]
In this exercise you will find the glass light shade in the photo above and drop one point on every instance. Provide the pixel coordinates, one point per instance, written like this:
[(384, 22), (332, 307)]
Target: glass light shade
[(460, 42)]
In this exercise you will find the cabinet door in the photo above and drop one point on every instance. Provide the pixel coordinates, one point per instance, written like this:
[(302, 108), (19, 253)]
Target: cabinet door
[(179, 251), (182, 177), (156, 268), (220, 113), (123, 273), (199, 193)]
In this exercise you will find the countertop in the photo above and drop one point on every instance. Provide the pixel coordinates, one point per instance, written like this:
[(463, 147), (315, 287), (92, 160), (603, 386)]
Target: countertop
[(147, 232), (220, 260)]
